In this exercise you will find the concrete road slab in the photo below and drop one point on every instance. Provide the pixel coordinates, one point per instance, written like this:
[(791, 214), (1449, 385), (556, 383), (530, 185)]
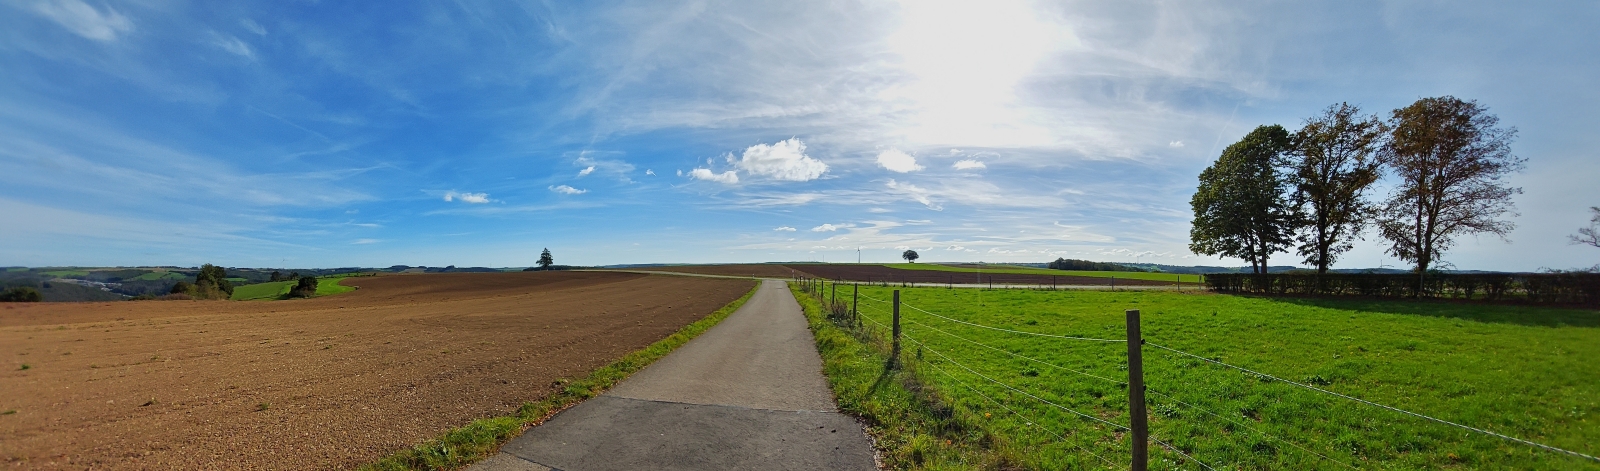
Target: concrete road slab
[(746, 394), (639, 434), (762, 356)]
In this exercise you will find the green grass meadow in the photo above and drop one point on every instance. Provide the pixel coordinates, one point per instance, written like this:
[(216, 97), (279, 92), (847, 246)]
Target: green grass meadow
[(1527, 372), (1019, 270), (326, 285)]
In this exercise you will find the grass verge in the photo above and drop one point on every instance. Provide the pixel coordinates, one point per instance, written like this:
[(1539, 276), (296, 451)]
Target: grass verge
[(482, 437), (914, 424)]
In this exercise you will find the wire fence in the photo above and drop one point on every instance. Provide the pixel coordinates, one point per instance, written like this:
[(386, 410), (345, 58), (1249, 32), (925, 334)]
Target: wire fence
[(911, 323)]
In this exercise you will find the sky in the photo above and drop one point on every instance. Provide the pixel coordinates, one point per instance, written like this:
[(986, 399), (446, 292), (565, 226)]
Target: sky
[(476, 133)]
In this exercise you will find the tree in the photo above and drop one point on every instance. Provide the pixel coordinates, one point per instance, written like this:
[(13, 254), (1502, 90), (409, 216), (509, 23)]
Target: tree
[(1335, 161), (1589, 235), (545, 260), (181, 287), (1450, 158), (212, 281), (21, 294), (276, 276), (1240, 208), (910, 256), (304, 288)]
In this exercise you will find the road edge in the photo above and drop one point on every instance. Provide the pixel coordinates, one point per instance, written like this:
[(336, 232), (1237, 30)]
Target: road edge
[(482, 438)]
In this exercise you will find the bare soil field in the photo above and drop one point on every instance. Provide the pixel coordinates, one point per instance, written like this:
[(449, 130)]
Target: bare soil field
[(324, 383), (880, 273), (764, 270)]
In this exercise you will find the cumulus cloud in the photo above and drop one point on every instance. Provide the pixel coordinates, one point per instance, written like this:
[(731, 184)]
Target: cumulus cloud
[(586, 171), (955, 248), (969, 164), (896, 161), (1175, 144), (471, 198), (784, 229), (727, 177), (916, 193), (567, 190), (784, 160), (84, 20), (831, 227)]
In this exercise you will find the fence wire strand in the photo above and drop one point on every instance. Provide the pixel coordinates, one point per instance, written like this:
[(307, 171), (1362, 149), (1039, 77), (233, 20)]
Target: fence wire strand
[(1030, 421), (958, 321), (1017, 355), (1381, 406), (1007, 386)]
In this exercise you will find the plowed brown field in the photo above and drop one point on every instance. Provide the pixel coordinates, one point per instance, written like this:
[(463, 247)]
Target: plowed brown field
[(323, 383)]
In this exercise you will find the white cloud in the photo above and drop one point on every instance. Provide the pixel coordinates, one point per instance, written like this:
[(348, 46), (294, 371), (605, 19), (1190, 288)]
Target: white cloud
[(955, 248), (831, 227), (784, 160), (232, 44), (84, 20), (365, 241), (614, 167), (567, 190), (472, 198), (877, 210), (968, 164), (649, 172), (1175, 144), (727, 177), (896, 161), (784, 229), (253, 27), (916, 193)]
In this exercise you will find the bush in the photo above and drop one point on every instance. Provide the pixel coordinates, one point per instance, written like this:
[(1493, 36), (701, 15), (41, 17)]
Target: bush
[(21, 294), (181, 287)]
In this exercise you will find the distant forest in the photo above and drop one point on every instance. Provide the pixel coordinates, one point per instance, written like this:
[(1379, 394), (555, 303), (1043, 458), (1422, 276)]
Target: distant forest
[(1085, 265)]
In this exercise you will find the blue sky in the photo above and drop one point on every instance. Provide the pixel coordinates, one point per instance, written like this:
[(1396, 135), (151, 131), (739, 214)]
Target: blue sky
[(477, 133)]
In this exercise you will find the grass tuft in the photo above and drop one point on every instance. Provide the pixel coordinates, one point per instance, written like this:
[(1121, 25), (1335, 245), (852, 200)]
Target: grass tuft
[(482, 437)]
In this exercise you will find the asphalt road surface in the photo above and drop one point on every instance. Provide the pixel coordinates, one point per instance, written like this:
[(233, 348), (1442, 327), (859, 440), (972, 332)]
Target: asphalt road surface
[(747, 394)]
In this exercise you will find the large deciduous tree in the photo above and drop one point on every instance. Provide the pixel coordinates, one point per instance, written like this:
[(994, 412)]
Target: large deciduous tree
[(1241, 209), (1589, 235), (910, 256), (1449, 157), (1335, 160)]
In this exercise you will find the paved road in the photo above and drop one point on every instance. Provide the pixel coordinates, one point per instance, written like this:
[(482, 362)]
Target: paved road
[(746, 394)]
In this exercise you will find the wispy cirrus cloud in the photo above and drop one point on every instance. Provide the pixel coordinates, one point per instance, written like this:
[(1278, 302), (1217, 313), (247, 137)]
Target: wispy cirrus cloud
[(83, 19)]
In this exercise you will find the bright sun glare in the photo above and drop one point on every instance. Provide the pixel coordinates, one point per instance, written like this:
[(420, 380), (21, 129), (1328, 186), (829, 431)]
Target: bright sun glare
[(967, 59)]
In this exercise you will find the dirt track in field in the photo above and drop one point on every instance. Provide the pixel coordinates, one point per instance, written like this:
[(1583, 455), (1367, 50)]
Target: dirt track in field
[(880, 273), (325, 383)]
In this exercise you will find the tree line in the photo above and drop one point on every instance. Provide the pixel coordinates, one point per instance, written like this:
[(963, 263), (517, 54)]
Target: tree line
[(1308, 190)]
